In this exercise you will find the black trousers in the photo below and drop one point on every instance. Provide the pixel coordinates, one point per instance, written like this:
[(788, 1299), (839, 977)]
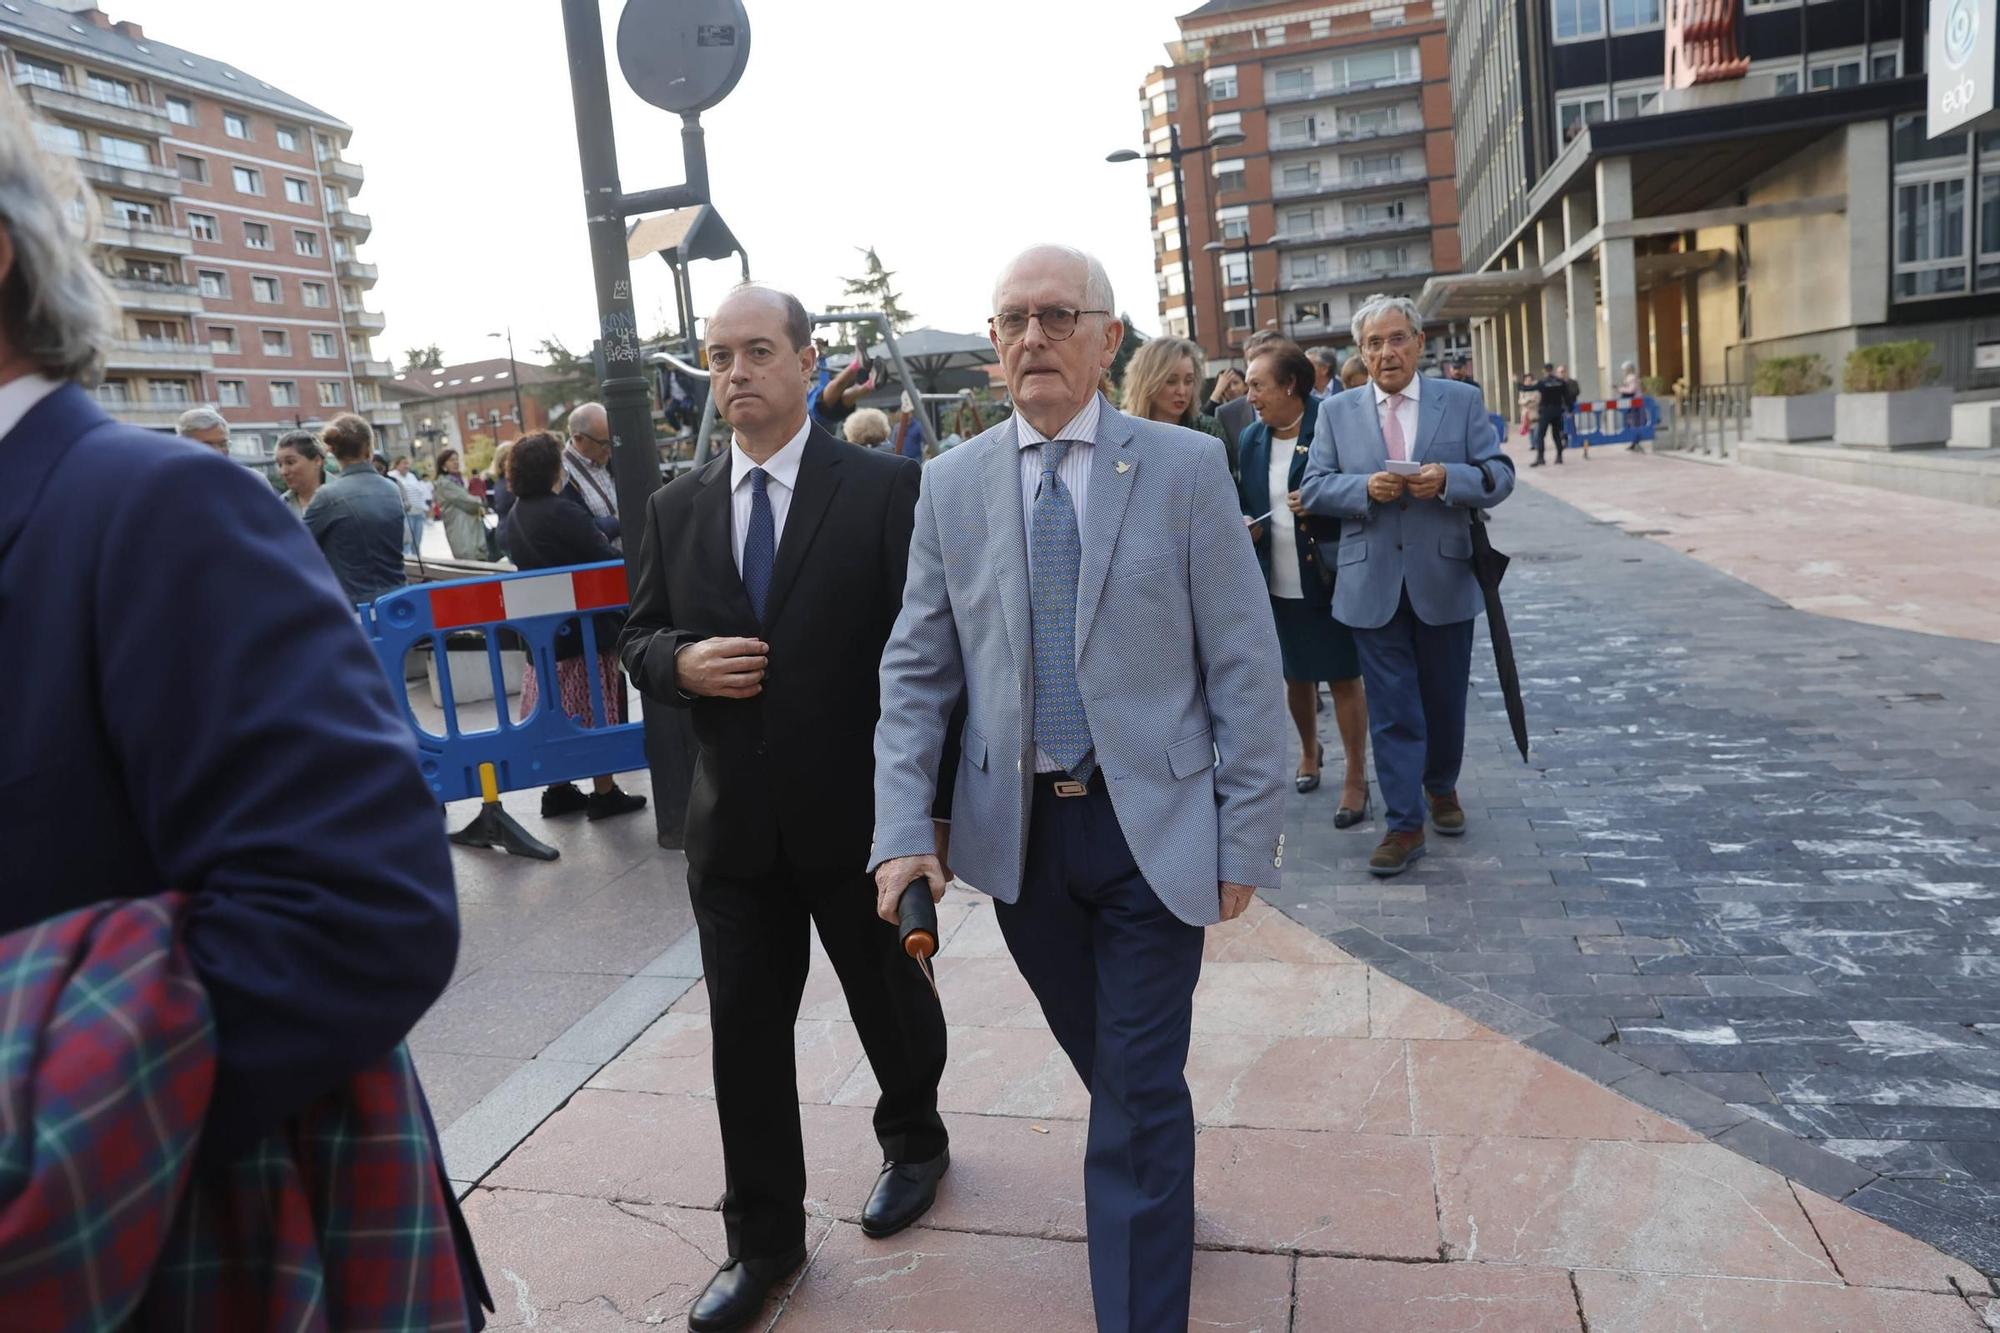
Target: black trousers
[(1543, 425), (755, 953)]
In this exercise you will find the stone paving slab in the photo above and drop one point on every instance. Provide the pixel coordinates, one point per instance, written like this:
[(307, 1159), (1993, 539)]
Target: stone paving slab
[(1752, 875), (1564, 1201)]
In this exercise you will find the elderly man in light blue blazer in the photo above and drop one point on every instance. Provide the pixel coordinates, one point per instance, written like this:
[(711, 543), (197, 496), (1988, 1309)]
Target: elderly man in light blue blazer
[(1083, 579), (1406, 463)]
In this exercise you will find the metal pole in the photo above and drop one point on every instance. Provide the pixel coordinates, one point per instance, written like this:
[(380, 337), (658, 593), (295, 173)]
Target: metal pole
[(514, 375), (1180, 216), (635, 459)]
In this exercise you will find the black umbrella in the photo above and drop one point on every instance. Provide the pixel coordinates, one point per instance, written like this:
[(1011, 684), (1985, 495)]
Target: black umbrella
[(1489, 567)]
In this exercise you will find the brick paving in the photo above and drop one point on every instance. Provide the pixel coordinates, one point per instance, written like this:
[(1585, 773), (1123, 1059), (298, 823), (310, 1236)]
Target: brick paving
[(1752, 875)]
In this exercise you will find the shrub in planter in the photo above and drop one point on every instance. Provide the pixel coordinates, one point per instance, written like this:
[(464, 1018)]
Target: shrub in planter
[(1790, 401), (1889, 367), (1885, 402)]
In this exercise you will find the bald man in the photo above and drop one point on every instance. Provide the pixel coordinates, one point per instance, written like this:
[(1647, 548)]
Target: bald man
[(587, 476)]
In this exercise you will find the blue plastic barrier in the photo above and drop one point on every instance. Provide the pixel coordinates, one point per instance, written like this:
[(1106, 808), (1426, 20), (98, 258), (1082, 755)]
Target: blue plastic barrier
[(1616, 421), (1499, 427), (528, 611)]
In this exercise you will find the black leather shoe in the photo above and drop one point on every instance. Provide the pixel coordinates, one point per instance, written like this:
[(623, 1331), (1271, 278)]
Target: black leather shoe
[(735, 1296), (562, 799), (609, 804), (903, 1193)]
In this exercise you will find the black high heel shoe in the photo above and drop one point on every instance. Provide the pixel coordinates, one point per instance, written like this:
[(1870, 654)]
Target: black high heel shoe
[(1306, 782), (1347, 816)]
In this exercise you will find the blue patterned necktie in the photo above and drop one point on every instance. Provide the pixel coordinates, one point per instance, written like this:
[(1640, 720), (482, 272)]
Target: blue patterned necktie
[(1062, 731), (760, 543)]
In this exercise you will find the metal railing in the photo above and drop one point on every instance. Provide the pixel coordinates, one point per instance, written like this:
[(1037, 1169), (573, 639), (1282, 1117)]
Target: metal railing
[(1346, 134), (1709, 419), (1311, 94), (1337, 184), (1351, 230)]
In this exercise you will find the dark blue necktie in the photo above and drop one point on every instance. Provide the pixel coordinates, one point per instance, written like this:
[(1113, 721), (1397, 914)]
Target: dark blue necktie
[(760, 543)]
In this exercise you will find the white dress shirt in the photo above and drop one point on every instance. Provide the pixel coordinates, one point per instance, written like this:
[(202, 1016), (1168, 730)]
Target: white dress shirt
[(782, 471), (1406, 413), (18, 397), (1075, 473), (1283, 524)]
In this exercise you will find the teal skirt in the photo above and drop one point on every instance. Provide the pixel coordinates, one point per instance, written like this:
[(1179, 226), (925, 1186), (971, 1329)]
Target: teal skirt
[(1312, 644)]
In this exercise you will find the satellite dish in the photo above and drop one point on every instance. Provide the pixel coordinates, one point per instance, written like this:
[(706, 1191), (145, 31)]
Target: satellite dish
[(683, 56)]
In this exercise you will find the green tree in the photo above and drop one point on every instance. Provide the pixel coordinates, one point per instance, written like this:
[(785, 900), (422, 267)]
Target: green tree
[(572, 379), (423, 358), (1132, 342), (875, 289)]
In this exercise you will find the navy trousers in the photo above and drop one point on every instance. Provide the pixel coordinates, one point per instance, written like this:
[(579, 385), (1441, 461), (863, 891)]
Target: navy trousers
[(1115, 973), (1416, 676)]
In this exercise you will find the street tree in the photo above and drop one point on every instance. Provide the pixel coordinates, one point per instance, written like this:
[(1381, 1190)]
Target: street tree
[(875, 289), (423, 358)]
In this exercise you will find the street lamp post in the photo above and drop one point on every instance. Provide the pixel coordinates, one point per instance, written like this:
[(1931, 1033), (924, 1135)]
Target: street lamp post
[(514, 378), (1176, 150), (1249, 273)]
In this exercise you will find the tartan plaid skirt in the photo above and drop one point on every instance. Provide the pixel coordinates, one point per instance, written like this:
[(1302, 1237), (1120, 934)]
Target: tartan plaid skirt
[(337, 1221)]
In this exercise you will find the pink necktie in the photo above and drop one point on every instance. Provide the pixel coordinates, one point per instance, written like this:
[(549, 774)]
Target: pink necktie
[(1392, 429)]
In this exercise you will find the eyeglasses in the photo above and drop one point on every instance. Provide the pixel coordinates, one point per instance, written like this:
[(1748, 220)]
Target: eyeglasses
[(1395, 342), (585, 435), (1058, 322)]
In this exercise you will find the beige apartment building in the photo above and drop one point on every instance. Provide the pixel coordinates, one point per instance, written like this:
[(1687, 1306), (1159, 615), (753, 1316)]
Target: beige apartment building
[(227, 226)]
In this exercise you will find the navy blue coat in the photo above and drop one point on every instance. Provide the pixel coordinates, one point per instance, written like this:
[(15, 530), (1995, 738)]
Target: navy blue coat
[(189, 703), (1253, 483)]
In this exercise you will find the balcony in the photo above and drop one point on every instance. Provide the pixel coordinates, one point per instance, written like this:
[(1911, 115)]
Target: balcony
[(1352, 134), (159, 354), (368, 368), (1349, 231), (354, 271), (153, 238), (346, 219), (1326, 185), (363, 320), (1344, 89), (138, 412), (383, 415), (148, 297), (343, 172), (89, 104), (1355, 277), (120, 174)]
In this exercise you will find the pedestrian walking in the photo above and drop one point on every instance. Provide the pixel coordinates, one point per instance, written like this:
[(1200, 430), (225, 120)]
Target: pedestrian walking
[(464, 514), (545, 531), (1326, 369), (1296, 549), (1406, 584), (312, 918), (1161, 384), (416, 502), (1572, 392), (357, 518), (1552, 403), (1080, 580), (767, 583), (204, 425), (301, 464)]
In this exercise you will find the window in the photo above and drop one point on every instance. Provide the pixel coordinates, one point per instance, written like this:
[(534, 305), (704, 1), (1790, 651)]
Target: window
[(297, 191), (257, 235), (131, 210), (115, 393), (1299, 177), (1305, 268), (232, 393), (1988, 225), (191, 168), (202, 226), (1233, 223), (41, 73), (265, 290), (306, 242), (1843, 72), (322, 146), (313, 294), (115, 91), (1574, 114), (221, 339), (1788, 83), (1239, 315), (277, 342), (472, 421), (1295, 82), (1320, 28), (324, 346), (1366, 69), (1575, 20), (1310, 312), (1235, 271), (1370, 166), (1635, 15), (1302, 222), (1228, 177), (180, 111), (332, 393), (335, 200), (1222, 87), (173, 393), (1627, 105), (248, 180), (288, 139), (159, 331), (129, 151), (284, 393), (1930, 238), (213, 283), (235, 126), (60, 138), (1274, 35)]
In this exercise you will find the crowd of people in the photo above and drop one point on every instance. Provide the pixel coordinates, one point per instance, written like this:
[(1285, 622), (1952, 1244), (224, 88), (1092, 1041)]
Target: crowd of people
[(1138, 600)]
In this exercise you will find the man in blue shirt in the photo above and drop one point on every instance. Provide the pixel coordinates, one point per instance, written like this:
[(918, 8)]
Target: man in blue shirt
[(357, 518)]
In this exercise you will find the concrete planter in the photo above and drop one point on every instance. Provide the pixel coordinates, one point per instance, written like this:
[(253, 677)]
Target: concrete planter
[(1911, 419), (1791, 419), (1976, 425), (471, 679)]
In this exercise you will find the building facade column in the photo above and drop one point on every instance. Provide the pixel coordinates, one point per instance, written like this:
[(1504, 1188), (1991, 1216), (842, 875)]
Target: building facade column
[(1870, 198), (1580, 295), (1555, 295), (1618, 272)]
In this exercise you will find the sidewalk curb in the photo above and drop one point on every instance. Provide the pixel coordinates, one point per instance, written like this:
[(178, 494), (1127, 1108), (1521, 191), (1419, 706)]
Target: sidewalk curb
[(497, 1123)]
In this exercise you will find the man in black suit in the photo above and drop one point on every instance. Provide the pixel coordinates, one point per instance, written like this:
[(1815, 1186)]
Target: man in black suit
[(1553, 400), (767, 583)]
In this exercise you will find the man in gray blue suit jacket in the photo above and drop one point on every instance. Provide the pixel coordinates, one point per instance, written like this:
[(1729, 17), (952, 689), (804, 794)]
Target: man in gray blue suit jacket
[(1084, 581), (1404, 580)]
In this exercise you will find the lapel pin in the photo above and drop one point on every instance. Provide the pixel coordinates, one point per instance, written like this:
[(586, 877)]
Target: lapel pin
[(1123, 467)]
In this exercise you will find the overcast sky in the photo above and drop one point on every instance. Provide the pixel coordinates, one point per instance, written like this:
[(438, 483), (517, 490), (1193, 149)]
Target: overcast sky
[(945, 141)]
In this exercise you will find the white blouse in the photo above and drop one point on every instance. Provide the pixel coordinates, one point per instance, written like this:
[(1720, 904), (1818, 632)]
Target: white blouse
[(1283, 524)]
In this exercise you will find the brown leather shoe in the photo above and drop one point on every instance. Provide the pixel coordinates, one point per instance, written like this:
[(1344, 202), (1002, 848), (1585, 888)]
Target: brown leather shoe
[(1395, 852), (1447, 815)]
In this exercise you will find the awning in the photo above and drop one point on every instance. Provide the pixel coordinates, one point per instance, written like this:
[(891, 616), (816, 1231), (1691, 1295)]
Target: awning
[(1460, 296)]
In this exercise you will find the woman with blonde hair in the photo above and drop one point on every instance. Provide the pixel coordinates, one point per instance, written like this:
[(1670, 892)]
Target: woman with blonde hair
[(867, 427), (1163, 383)]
